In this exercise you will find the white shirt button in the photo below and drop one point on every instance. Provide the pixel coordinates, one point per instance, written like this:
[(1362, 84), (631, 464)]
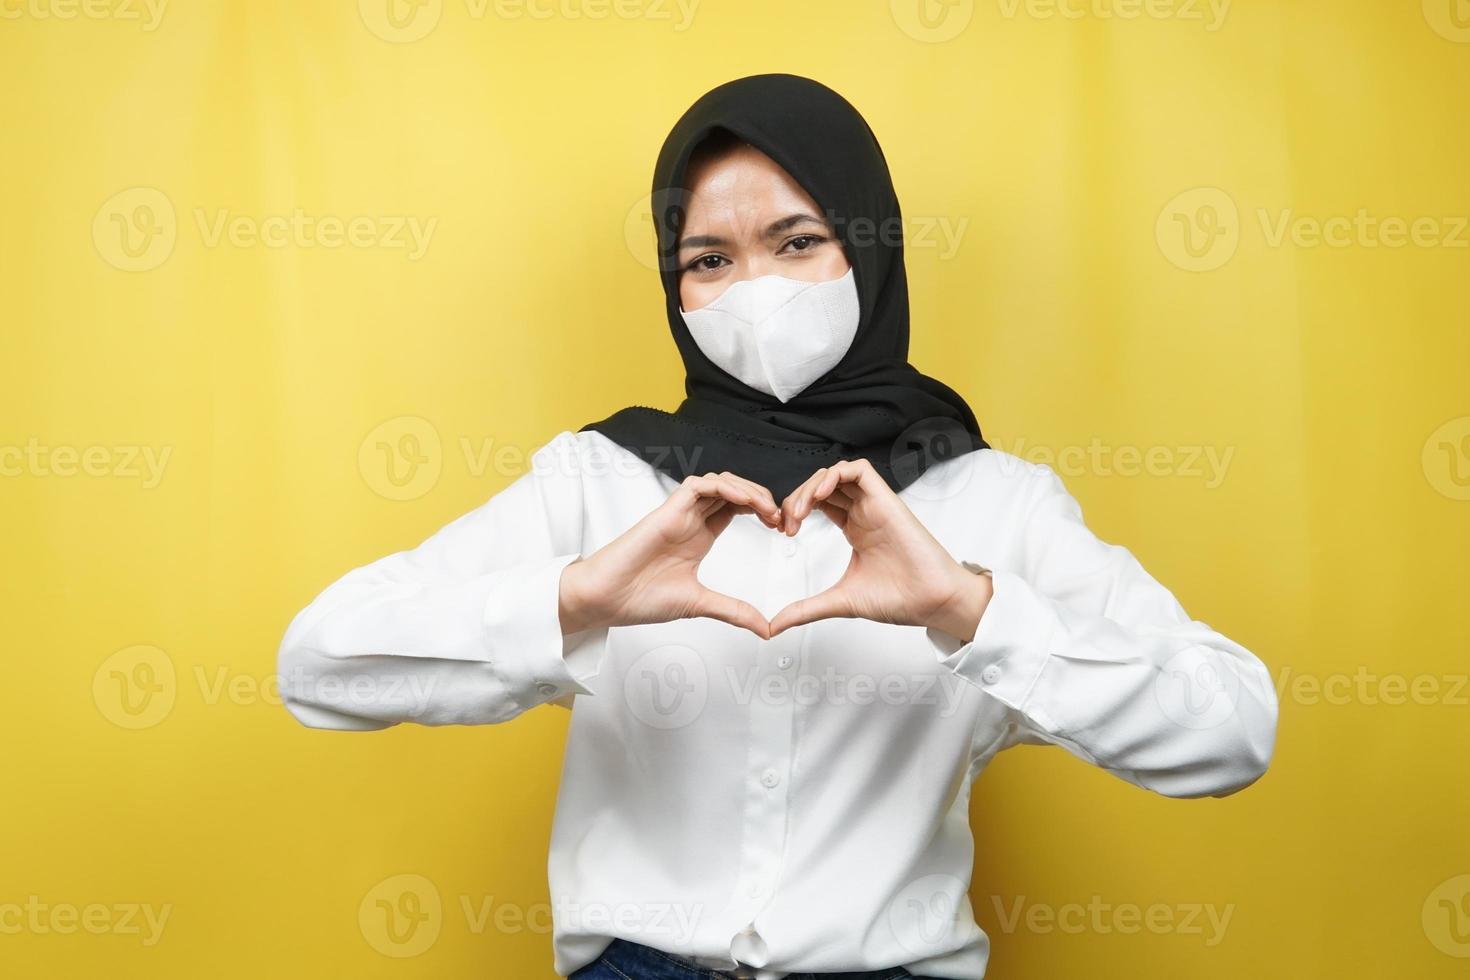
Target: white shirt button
[(790, 547), (784, 662), (770, 778), (547, 689), (990, 674)]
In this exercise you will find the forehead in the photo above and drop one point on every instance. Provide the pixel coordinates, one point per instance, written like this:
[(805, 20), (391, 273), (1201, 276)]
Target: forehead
[(742, 181)]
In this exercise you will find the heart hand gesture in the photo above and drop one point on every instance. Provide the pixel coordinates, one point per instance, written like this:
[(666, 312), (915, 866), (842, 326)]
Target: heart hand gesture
[(648, 574), (898, 573)]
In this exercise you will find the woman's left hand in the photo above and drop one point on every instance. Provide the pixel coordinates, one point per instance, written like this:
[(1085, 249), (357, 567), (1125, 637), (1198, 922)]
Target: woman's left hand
[(898, 574)]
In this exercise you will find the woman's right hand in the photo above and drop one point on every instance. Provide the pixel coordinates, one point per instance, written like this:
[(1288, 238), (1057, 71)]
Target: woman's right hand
[(648, 574)]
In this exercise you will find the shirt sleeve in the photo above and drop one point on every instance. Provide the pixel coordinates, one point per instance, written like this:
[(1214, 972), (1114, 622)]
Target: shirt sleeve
[(462, 629), (1089, 652)]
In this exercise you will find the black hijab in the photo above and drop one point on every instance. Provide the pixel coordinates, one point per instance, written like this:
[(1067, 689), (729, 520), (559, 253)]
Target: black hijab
[(873, 404)]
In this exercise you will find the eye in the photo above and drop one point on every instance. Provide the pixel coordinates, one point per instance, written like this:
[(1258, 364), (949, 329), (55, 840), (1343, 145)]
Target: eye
[(709, 262), (803, 243)]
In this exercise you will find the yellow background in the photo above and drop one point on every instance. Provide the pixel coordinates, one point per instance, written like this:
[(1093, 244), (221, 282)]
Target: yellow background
[(1070, 154)]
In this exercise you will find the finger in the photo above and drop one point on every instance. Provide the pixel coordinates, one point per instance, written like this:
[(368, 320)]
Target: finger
[(824, 484), (710, 506), (731, 487), (821, 491), (840, 498), (859, 476), (791, 506), (728, 609), (720, 518), (816, 490), (705, 506), (706, 492), (748, 484), (824, 605), (843, 483), (764, 502), (837, 515)]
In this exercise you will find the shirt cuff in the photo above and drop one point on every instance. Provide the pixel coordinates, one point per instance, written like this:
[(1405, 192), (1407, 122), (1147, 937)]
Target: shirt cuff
[(1012, 643), (527, 649)]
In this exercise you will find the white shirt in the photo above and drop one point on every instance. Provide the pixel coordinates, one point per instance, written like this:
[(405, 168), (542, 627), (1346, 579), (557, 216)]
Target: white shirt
[(801, 803)]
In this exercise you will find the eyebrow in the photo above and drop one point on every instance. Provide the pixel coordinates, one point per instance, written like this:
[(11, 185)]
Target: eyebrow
[(774, 229)]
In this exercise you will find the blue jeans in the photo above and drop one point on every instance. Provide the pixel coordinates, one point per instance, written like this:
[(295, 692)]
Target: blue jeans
[(624, 960)]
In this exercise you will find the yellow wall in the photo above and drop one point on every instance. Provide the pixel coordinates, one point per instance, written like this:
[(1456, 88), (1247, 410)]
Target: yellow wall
[(1278, 428)]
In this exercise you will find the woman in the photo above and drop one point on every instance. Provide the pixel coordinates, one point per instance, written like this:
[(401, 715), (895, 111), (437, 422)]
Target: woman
[(793, 619)]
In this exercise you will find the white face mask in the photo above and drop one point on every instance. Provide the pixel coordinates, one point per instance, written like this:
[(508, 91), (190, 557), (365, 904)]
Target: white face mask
[(775, 334)]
